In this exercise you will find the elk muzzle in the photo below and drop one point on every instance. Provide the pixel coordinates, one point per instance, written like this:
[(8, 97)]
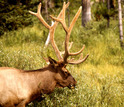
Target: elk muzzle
[(71, 86)]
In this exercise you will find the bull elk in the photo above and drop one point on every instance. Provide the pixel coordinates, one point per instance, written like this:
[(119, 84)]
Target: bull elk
[(20, 87)]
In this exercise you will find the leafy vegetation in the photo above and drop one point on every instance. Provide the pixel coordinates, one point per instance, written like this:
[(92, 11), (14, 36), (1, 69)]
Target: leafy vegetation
[(14, 16), (100, 80)]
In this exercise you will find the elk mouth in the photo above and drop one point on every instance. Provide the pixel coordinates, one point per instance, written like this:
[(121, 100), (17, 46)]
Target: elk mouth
[(61, 86), (71, 86)]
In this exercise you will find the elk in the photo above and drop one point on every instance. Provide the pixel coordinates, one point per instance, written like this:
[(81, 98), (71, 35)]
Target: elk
[(20, 87)]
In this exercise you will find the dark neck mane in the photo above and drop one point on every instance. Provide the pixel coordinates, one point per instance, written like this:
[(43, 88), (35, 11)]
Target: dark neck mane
[(39, 70)]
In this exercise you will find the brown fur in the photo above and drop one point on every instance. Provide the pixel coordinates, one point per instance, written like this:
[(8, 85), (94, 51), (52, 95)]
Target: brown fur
[(20, 87)]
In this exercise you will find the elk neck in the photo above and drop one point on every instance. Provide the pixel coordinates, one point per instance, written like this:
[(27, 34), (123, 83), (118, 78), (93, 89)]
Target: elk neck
[(41, 79)]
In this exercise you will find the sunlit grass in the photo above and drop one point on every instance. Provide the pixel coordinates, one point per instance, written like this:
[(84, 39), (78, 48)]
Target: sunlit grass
[(100, 80)]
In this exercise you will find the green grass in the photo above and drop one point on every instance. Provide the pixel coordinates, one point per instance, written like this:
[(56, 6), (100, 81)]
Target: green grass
[(100, 80)]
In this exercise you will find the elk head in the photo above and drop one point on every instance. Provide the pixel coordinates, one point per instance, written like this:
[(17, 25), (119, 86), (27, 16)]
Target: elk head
[(63, 77)]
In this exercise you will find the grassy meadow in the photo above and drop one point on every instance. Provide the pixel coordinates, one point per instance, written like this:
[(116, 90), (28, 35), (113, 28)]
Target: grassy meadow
[(100, 79)]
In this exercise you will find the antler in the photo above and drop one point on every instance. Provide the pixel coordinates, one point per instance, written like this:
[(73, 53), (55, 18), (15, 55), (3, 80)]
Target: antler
[(68, 32), (51, 28), (61, 19)]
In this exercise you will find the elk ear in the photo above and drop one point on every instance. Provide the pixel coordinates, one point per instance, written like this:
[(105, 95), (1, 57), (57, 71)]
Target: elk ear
[(53, 62)]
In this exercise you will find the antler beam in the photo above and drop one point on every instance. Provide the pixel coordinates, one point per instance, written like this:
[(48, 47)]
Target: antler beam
[(38, 15)]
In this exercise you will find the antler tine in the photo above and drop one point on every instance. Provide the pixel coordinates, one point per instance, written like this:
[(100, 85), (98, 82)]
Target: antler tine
[(69, 48), (38, 15), (72, 54), (78, 61), (70, 45), (70, 28), (61, 13), (62, 19), (67, 53), (74, 19)]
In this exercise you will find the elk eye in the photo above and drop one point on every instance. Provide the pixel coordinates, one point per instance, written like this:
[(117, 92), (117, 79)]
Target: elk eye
[(66, 72)]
